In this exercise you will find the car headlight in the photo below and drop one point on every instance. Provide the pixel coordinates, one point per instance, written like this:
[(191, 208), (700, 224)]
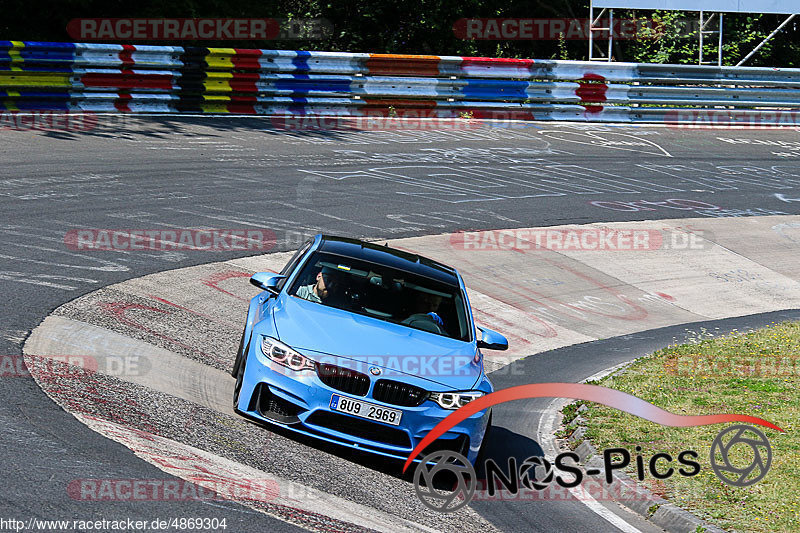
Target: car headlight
[(454, 400), (278, 352)]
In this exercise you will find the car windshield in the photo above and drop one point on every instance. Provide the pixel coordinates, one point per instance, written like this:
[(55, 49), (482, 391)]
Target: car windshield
[(384, 293)]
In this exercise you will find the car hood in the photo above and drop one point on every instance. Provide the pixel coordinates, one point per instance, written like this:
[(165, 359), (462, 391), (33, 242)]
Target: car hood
[(311, 327)]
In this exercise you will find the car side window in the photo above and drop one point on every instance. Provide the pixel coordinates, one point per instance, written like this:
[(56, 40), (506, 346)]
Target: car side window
[(292, 264)]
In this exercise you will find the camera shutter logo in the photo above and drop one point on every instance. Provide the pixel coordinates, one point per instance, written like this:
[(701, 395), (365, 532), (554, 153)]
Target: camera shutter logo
[(740, 435), (536, 473), (440, 499)]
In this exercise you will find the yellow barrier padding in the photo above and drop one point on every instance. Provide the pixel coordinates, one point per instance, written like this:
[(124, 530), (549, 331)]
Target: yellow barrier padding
[(220, 57), (219, 75), (217, 87), (218, 82), (18, 78), (218, 97), (215, 108), (14, 54)]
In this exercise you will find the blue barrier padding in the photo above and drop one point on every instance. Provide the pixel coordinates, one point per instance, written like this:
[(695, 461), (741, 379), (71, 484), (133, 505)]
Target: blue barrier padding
[(302, 83), (39, 56), (301, 61), (27, 94), (40, 45), (59, 55), (25, 68), (495, 89)]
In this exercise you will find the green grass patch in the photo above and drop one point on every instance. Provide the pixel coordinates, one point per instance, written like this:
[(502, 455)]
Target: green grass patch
[(755, 373)]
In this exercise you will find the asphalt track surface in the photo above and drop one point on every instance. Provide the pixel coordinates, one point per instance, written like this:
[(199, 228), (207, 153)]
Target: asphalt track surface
[(154, 173)]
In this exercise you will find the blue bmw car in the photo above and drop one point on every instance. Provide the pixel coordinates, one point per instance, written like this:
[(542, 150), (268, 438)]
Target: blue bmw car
[(364, 346)]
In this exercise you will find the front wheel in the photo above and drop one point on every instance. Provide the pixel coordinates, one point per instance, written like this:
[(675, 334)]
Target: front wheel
[(238, 370), (238, 386), (484, 443), (239, 355)]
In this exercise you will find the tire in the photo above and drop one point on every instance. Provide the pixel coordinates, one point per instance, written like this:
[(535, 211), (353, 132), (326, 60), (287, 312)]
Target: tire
[(482, 452), (238, 371), (238, 386), (238, 360)]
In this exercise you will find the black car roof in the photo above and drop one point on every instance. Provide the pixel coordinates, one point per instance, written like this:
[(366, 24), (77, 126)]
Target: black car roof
[(385, 255)]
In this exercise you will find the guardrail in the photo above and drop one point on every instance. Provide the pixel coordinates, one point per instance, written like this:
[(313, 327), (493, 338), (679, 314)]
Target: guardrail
[(172, 79)]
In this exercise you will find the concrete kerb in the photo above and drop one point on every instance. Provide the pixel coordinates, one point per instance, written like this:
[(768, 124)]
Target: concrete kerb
[(649, 506)]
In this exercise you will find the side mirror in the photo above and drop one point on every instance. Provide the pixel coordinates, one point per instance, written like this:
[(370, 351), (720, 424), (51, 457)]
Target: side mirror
[(491, 340), (267, 281)]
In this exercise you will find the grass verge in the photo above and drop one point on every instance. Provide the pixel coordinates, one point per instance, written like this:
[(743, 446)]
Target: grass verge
[(755, 373)]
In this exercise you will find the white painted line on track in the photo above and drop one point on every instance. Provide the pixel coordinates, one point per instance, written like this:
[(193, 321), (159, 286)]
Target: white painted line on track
[(547, 427)]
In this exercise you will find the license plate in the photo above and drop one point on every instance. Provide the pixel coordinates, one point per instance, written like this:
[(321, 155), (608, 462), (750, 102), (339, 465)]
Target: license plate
[(366, 410)]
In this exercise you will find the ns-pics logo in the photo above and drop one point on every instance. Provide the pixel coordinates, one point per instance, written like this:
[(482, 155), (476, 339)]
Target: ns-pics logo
[(740, 454)]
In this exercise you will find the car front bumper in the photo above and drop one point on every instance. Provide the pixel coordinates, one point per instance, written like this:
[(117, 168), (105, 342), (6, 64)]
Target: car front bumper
[(301, 402)]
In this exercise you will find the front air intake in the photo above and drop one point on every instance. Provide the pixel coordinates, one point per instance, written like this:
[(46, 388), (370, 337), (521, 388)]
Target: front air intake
[(398, 393), (343, 379)]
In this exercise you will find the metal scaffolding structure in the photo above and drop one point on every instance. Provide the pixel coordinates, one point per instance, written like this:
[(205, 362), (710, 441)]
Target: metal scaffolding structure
[(702, 32), (717, 9), (594, 28)]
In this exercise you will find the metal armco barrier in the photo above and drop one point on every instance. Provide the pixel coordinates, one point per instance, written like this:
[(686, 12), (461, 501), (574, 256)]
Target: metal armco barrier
[(173, 79)]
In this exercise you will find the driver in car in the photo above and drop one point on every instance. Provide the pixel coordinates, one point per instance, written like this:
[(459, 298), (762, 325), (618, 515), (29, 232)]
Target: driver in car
[(425, 316), (325, 284)]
